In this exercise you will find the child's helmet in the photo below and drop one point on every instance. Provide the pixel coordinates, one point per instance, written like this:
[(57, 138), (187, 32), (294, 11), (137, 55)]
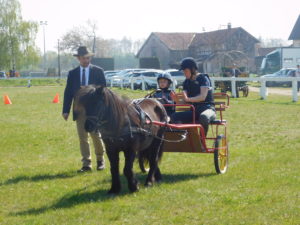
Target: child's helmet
[(188, 63), (166, 76)]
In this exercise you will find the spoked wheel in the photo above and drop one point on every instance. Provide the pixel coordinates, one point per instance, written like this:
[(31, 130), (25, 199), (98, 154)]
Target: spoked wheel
[(221, 154), (144, 165)]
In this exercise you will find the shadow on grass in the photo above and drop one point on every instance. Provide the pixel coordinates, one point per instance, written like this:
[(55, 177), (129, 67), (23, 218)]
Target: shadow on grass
[(39, 177), (79, 197), (68, 201)]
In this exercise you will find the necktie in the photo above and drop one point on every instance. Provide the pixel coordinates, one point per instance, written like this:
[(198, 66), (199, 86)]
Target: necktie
[(83, 77)]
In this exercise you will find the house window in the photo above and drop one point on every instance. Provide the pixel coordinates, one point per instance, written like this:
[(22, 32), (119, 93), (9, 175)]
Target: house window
[(153, 52), (288, 60), (205, 52)]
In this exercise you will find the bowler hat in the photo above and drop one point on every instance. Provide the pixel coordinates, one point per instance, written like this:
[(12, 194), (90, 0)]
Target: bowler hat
[(83, 51)]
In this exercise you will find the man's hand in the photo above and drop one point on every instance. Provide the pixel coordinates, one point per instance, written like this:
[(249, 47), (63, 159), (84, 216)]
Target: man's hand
[(65, 116)]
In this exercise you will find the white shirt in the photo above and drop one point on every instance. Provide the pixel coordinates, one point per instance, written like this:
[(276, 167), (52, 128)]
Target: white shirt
[(87, 74)]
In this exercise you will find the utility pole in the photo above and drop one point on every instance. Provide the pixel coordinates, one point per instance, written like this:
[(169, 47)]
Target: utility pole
[(58, 59), (44, 23)]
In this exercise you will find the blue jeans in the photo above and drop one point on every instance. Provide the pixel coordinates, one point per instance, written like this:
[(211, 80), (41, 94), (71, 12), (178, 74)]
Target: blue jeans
[(204, 117)]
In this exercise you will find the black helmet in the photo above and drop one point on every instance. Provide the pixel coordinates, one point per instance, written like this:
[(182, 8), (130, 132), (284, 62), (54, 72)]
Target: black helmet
[(188, 63), (166, 76)]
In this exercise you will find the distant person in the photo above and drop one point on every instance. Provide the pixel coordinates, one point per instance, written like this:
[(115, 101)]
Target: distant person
[(235, 72), (29, 83), (297, 74), (198, 91), (164, 93), (83, 75)]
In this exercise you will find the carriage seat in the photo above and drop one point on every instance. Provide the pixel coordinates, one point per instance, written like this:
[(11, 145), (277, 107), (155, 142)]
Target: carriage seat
[(221, 103)]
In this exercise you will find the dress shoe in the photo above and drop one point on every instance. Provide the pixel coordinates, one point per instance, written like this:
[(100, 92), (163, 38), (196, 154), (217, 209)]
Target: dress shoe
[(100, 165), (85, 169)]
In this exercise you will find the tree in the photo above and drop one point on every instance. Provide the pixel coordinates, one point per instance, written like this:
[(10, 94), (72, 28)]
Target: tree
[(123, 51), (17, 37), (272, 42)]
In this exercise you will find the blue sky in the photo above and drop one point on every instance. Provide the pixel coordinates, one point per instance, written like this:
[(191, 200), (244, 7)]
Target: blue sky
[(138, 18)]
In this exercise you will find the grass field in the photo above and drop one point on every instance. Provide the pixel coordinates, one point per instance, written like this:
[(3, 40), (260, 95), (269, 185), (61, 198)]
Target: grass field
[(39, 156)]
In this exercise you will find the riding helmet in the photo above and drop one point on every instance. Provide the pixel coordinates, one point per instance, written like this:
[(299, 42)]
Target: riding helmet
[(188, 63), (166, 76)]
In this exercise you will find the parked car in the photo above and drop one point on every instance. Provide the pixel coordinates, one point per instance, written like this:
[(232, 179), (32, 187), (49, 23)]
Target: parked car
[(149, 76), (178, 76), (2, 74), (117, 77), (286, 72)]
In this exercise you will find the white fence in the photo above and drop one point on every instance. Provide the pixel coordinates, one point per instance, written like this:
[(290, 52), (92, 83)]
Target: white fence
[(233, 80)]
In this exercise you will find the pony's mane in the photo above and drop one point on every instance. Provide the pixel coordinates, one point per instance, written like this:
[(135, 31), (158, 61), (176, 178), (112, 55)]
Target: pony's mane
[(117, 108)]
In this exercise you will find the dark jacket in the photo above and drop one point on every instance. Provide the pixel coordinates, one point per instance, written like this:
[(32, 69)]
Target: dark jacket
[(165, 95), (96, 76)]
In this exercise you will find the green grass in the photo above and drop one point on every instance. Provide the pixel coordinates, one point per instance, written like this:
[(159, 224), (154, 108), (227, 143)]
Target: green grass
[(39, 156), (35, 82)]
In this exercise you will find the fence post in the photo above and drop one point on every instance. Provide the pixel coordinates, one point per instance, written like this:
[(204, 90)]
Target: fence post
[(294, 90), (121, 83), (213, 84), (233, 87), (263, 89), (131, 81), (143, 83)]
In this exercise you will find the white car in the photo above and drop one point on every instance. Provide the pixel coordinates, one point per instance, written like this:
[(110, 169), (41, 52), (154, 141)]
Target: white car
[(2, 74), (177, 76)]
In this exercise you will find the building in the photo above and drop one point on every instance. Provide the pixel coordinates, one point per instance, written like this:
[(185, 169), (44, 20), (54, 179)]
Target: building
[(295, 34), (169, 48), (212, 50)]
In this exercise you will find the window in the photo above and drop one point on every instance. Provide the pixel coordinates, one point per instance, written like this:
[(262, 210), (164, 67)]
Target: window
[(153, 51), (288, 60), (298, 60), (151, 74)]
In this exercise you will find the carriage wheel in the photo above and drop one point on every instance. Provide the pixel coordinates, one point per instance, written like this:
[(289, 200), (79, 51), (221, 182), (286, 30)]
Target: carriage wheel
[(221, 154), (144, 165)]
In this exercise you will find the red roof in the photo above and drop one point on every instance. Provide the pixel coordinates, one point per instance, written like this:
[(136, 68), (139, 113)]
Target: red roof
[(176, 41)]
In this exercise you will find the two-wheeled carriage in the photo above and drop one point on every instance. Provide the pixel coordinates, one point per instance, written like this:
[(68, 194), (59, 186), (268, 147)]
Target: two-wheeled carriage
[(190, 138)]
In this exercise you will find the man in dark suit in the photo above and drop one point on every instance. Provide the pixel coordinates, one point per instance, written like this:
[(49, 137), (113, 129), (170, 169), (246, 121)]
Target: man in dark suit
[(84, 74)]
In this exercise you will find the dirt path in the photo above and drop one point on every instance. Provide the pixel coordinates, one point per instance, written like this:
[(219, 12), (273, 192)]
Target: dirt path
[(278, 91)]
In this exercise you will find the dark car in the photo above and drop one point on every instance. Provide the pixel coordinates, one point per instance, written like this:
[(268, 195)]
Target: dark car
[(283, 73)]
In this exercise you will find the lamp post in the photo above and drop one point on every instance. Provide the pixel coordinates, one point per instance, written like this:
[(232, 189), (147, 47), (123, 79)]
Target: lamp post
[(58, 58), (44, 23)]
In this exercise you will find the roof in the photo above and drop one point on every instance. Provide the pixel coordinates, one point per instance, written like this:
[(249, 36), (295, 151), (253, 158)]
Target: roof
[(265, 51), (295, 34), (176, 41), (217, 37), (183, 41)]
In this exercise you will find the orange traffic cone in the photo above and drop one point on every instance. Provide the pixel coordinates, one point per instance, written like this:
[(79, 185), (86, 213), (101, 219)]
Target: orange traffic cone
[(6, 99), (56, 98)]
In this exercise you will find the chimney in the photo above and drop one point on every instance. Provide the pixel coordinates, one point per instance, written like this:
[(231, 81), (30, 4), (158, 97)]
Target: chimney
[(229, 26)]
